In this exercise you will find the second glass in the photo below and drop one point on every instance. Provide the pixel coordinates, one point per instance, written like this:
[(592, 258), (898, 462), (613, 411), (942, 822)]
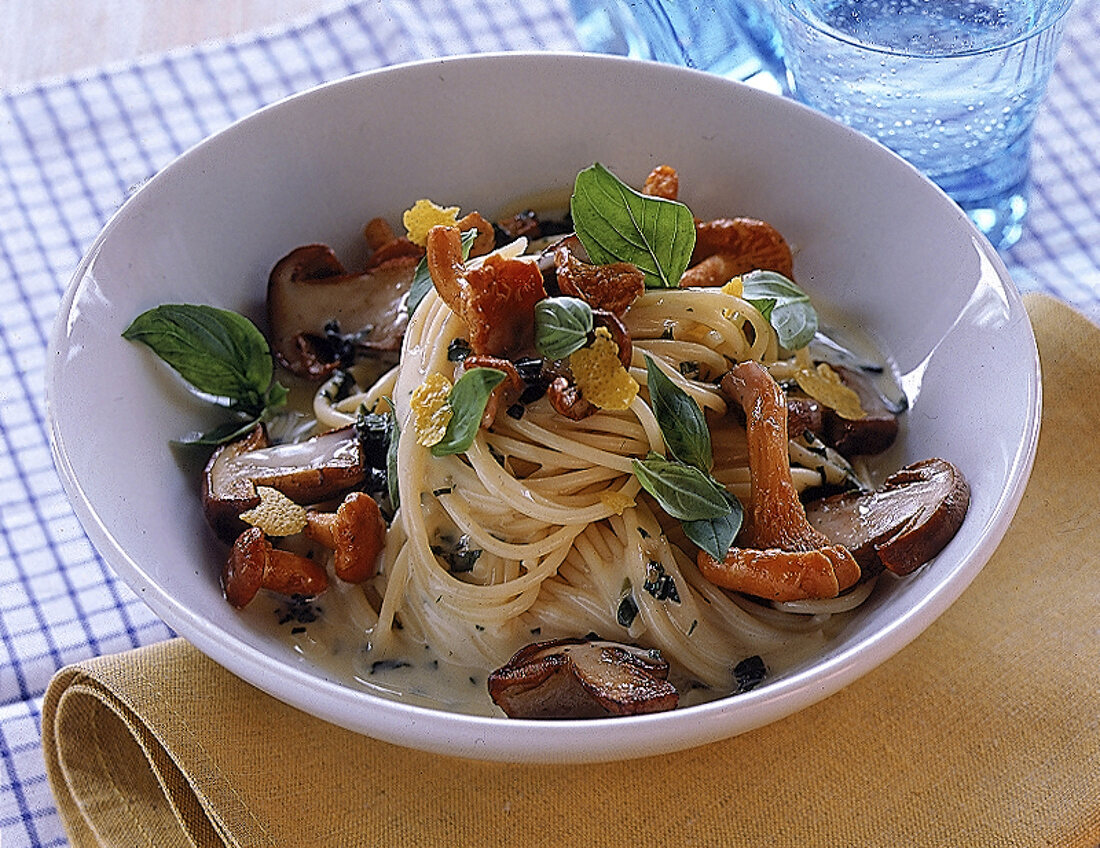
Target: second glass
[(731, 38), (953, 86)]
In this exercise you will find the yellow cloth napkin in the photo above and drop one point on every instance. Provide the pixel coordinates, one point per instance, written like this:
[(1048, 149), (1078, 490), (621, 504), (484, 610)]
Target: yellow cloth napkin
[(983, 732)]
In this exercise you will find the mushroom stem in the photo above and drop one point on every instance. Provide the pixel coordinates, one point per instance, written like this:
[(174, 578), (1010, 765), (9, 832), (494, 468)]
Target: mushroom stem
[(783, 557), (253, 564)]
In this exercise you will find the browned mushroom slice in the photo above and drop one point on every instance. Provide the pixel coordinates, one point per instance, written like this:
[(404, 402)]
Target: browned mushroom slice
[(253, 564), (804, 414), (579, 678), (779, 555), (307, 472), (871, 434), (747, 243), (611, 287), (496, 299), (309, 290), (902, 525)]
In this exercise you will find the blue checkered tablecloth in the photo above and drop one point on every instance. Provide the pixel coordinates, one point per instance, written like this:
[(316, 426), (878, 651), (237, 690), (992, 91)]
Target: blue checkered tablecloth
[(71, 150)]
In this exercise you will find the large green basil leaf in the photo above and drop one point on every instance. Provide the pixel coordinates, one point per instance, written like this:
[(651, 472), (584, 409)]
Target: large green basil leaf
[(218, 352), (716, 535), (615, 223)]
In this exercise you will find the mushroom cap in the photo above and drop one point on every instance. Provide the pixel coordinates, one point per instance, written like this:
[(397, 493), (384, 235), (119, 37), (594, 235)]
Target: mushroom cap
[(226, 495), (901, 525), (307, 472), (746, 244), (253, 564), (243, 570), (582, 678), (356, 533), (308, 289), (611, 287)]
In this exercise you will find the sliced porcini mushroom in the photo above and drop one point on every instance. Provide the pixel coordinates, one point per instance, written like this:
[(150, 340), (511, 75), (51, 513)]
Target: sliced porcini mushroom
[(901, 525), (871, 434), (355, 533), (779, 555), (581, 678), (253, 563), (804, 414), (307, 472), (612, 287), (309, 293), (746, 244), (496, 298)]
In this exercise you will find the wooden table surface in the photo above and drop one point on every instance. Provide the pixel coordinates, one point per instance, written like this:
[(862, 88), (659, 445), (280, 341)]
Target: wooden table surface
[(40, 39)]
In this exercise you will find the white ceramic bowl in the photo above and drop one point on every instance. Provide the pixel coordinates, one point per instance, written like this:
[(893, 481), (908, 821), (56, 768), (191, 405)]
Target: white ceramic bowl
[(874, 239)]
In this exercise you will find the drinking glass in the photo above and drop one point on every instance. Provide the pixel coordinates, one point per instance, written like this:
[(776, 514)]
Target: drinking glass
[(731, 38), (953, 86)]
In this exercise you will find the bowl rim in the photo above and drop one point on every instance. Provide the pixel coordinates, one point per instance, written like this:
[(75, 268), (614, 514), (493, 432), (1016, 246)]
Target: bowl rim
[(526, 740)]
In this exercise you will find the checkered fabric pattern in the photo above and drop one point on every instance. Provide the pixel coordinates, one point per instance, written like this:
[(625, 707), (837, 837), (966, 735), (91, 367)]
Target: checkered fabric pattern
[(72, 150)]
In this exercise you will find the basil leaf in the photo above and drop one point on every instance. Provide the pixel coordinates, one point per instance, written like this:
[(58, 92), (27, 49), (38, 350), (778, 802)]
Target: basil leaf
[(562, 325), (422, 280), (230, 431), (683, 491), (218, 352), (615, 223), (716, 535), (391, 458), (467, 399), (787, 308), (680, 418)]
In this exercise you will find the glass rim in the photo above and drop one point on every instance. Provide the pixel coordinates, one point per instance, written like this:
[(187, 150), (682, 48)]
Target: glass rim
[(1047, 20)]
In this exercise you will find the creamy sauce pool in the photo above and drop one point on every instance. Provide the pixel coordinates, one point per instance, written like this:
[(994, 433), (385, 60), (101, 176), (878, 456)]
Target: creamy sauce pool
[(323, 632)]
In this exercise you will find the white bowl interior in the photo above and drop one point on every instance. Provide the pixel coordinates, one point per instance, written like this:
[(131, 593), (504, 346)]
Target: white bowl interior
[(878, 243)]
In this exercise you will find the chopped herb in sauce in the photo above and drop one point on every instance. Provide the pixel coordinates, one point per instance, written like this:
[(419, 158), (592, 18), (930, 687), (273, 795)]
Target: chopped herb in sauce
[(660, 585), (458, 350), (387, 665), (749, 673), (300, 609), (628, 610), (456, 553), (344, 347), (690, 370), (339, 386), (374, 430)]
